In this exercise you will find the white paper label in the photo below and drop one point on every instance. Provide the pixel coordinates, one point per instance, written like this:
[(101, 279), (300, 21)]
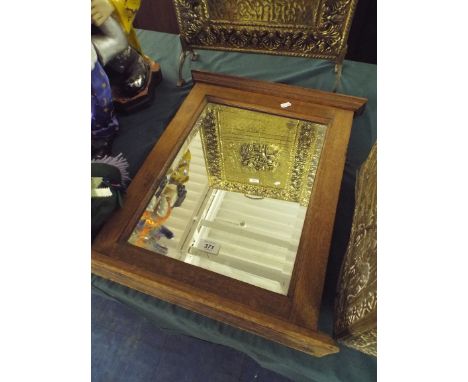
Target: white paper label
[(208, 246), (285, 105)]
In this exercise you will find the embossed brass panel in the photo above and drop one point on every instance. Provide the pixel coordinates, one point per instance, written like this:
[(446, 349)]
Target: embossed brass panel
[(260, 154), (306, 28), (264, 13), (356, 302)]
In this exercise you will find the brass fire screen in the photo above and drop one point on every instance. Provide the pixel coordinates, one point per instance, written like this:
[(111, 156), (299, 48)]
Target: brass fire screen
[(304, 28)]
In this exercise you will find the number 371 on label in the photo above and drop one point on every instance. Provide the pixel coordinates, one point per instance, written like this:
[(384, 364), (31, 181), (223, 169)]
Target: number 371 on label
[(208, 246)]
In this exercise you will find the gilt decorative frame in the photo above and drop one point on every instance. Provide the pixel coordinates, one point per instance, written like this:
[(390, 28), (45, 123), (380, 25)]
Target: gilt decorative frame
[(303, 28), (290, 319)]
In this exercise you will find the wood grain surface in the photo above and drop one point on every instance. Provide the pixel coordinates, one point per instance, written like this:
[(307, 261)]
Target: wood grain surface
[(291, 320)]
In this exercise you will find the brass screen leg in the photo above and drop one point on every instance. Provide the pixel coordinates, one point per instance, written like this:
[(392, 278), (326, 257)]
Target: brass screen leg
[(186, 49), (338, 71), (183, 55), (339, 68)]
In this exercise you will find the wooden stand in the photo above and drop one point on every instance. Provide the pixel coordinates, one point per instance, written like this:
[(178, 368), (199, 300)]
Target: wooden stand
[(142, 99)]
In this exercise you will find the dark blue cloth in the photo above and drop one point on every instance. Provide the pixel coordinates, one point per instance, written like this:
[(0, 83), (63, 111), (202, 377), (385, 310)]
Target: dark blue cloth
[(127, 347)]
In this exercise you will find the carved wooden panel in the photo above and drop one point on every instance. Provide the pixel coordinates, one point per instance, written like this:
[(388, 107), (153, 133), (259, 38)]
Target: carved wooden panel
[(356, 303), (307, 28)]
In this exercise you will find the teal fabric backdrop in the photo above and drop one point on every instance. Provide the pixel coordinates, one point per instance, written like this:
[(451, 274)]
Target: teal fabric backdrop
[(138, 134)]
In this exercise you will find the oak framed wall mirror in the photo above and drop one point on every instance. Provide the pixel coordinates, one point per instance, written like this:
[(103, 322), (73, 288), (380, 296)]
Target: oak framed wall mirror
[(231, 214)]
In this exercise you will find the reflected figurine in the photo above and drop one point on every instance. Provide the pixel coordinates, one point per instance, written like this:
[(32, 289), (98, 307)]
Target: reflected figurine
[(171, 194), (132, 75)]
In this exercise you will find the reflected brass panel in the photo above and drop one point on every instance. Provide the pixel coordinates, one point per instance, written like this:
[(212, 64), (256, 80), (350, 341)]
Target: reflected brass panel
[(306, 28), (260, 154), (356, 302)]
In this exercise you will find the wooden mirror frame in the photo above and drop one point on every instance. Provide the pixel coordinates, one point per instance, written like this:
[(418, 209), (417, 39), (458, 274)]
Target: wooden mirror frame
[(290, 320)]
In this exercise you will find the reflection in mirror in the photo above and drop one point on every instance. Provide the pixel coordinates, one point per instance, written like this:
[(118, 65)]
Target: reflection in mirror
[(235, 198)]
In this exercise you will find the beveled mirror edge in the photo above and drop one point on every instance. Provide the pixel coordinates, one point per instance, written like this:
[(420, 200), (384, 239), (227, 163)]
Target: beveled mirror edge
[(307, 287), (118, 229)]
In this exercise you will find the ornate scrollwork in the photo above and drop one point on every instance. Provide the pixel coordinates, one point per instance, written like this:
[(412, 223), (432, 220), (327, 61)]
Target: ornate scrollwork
[(356, 301), (269, 26), (366, 342), (225, 157), (189, 12), (300, 161), (207, 124), (261, 157)]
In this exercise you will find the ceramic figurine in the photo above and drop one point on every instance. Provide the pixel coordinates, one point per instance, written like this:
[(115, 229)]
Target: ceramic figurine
[(104, 123), (132, 75)]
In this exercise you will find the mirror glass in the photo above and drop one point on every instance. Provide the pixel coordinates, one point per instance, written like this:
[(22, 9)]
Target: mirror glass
[(235, 197)]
